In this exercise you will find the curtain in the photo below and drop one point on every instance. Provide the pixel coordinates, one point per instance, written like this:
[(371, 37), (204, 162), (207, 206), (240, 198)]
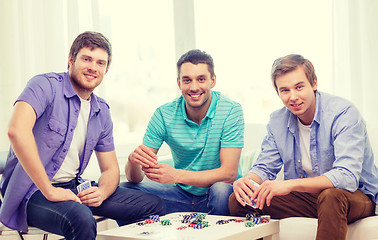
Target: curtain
[(355, 51), (35, 38)]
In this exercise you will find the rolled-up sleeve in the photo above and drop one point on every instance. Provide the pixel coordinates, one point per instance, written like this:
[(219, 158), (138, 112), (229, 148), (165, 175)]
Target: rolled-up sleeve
[(349, 133)]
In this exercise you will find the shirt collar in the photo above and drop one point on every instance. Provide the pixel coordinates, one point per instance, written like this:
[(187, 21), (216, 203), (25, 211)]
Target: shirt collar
[(70, 92), (210, 112), (292, 123)]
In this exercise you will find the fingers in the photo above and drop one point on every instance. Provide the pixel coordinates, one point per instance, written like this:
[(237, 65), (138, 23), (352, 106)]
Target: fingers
[(243, 191), (91, 197), (144, 156)]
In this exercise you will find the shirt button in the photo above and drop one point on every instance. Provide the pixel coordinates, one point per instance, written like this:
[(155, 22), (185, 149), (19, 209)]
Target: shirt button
[(299, 160), (64, 150), (76, 110), (58, 129), (71, 130)]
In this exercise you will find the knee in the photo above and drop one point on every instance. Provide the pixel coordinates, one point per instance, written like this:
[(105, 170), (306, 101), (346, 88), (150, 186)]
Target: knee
[(332, 199), (80, 222), (221, 189), (233, 205)]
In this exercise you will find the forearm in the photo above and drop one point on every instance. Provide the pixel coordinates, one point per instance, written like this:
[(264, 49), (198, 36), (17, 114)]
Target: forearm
[(24, 145), (108, 182), (133, 172), (205, 178), (310, 185)]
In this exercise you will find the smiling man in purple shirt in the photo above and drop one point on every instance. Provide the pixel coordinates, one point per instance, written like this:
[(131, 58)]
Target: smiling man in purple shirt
[(56, 125)]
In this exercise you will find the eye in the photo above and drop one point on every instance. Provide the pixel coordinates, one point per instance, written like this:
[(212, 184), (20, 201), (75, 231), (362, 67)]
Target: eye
[(299, 87)]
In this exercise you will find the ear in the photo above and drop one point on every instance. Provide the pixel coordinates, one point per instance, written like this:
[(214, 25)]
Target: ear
[(213, 81), (179, 83), (315, 85), (70, 61)]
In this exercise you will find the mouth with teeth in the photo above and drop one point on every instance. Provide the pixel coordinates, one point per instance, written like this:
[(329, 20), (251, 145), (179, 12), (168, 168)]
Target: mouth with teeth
[(89, 76), (196, 96), (296, 106)]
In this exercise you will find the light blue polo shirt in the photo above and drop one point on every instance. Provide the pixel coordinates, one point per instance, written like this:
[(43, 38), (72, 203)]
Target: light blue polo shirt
[(197, 147)]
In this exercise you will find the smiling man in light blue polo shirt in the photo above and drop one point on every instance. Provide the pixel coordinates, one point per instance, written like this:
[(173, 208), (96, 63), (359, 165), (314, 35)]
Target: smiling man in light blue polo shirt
[(205, 132)]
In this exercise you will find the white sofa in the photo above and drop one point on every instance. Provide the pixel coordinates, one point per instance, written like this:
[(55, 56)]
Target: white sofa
[(299, 227)]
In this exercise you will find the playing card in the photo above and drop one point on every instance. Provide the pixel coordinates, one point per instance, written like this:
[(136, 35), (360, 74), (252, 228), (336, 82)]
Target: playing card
[(253, 202), (83, 186)]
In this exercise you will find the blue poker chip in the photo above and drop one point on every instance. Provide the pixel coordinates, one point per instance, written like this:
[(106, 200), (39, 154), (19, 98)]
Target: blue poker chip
[(256, 220), (156, 218)]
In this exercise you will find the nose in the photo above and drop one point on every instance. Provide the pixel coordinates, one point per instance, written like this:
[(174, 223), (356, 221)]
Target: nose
[(194, 86), (92, 66), (293, 95)]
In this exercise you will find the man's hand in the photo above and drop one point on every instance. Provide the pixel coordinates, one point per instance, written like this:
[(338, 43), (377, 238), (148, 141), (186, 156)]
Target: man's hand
[(161, 173), (144, 156), (92, 196), (61, 194), (244, 189), (268, 190)]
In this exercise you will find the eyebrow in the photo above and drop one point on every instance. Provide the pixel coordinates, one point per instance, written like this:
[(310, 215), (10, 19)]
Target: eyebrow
[(298, 83), (87, 56)]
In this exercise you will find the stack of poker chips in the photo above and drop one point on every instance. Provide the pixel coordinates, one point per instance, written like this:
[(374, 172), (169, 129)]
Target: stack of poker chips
[(265, 218), (165, 222), (249, 216), (156, 218), (249, 224), (253, 219)]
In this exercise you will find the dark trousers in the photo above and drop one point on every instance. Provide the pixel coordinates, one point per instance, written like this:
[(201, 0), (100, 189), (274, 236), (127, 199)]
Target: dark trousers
[(75, 221), (334, 208)]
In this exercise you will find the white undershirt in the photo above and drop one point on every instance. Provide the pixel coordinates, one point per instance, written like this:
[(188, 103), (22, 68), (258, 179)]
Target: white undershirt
[(71, 163), (304, 145)]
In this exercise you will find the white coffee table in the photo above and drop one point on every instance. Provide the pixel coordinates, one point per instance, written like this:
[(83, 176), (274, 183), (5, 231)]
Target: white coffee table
[(230, 230)]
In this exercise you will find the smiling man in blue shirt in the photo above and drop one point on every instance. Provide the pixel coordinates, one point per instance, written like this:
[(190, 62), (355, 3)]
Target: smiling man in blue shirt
[(56, 125), (321, 142)]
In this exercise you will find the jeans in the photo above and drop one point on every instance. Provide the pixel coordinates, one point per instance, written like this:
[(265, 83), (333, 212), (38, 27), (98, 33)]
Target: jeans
[(75, 221), (215, 201)]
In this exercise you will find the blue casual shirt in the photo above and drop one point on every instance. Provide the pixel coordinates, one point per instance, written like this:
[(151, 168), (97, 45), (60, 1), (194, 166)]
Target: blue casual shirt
[(197, 147), (57, 108), (339, 147)]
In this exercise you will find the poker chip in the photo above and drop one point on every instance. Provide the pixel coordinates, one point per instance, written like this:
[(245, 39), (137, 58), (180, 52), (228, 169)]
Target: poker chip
[(181, 228), (249, 216), (201, 216), (256, 220), (156, 218), (198, 226), (265, 218), (239, 221), (196, 221), (191, 224), (149, 221), (193, 215), (249, 224), (165, 222), (222, 222), (140, 223)]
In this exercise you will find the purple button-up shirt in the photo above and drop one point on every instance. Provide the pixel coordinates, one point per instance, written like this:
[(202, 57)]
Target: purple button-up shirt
[(57, 107)]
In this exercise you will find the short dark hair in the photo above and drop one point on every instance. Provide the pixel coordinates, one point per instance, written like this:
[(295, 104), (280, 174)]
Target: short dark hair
[(91, 40), (196, 56), (289, 63)]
